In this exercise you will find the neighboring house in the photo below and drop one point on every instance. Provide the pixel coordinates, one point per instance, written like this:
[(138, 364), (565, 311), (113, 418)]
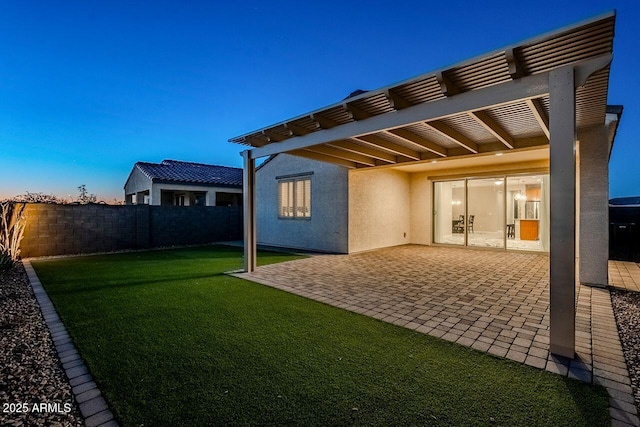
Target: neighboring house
[(175, 183), (508, 150)]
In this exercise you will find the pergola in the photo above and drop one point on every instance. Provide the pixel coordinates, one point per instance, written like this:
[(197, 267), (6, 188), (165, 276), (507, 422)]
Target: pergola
[(538, 93)]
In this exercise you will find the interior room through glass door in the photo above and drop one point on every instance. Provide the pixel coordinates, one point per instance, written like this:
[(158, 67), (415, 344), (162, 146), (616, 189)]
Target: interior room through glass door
[(485, 214), (449, 212), (528, 212)]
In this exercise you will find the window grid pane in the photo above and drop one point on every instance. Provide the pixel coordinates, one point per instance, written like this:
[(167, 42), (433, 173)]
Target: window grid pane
[(307, 198), (294, 198), (285, 199)]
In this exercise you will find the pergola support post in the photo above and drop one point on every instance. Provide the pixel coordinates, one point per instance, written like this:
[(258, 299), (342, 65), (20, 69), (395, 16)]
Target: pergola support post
[(562, 129), (249, 210)]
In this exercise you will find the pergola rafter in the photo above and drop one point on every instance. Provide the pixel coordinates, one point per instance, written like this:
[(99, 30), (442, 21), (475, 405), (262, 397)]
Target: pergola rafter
[(367, 151), (485, 120), (380, 143), (453, 135), (343, 155), (418, 141), (539, 114)]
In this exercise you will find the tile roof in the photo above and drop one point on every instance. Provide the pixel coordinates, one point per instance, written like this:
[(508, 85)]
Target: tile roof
[(188, 172), (625, 201)]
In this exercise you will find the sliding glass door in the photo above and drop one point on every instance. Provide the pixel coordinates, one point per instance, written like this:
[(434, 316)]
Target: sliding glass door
[(449, 212), (485, 218), (511, 211), (528, 212)]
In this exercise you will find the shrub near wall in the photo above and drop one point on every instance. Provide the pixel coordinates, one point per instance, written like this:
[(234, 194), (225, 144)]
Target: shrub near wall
[(79, 229), (12, 223)]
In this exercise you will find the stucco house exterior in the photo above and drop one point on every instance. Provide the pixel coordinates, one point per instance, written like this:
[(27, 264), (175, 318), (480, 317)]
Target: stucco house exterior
[(324, 227), (506, 151), (176, 183), (347, 209)]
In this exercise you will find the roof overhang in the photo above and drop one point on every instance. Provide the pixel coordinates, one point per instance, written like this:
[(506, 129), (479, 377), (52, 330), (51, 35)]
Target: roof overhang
[(498, 102), (612, 121), (194, 183)]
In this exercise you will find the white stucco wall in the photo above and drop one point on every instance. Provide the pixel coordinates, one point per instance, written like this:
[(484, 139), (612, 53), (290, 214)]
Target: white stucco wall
[(379, 209), (357, 210), (136, 182), (327, 229), (421, 209)]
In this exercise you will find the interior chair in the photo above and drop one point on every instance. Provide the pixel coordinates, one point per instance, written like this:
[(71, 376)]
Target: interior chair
[(459, 225), (470, 225)]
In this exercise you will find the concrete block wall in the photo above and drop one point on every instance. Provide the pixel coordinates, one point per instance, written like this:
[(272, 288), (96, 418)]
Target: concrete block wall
[(177, 225), (80, 229)]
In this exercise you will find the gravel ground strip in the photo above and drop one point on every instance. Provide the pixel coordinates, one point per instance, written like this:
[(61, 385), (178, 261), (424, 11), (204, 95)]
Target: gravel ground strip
[(626, 307), (34, 390)]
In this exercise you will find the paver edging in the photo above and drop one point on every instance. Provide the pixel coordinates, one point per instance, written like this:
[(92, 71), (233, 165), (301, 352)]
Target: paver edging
[(77, 373)]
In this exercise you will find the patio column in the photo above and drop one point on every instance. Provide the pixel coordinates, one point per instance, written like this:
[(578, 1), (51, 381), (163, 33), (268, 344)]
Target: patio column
[(249, 210), (562, 125), (593, 150)]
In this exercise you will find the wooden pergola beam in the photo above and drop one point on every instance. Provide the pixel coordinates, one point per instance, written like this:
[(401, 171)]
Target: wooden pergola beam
[(272, 136), (368, 151), (356, 113), (323, 122), (539, 114), (453, 135), (396, 101), (380, 143), (323, 158), (299, 130), (258, 140), (447, 87), (419, 141), (515, 68), (492, 127), (342, 154)]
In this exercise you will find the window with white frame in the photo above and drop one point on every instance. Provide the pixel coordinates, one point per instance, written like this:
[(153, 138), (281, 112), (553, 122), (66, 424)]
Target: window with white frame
[(294, 198)]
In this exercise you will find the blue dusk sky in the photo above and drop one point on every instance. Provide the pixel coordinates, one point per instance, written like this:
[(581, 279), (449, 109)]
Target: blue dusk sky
[(87, 88)]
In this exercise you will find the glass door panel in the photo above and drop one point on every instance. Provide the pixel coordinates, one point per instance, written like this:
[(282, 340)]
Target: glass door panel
[(485, 215), (449, 212), (528, 212)]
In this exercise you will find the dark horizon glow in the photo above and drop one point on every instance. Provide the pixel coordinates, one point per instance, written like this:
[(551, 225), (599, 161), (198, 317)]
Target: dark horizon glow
[(89, 88)]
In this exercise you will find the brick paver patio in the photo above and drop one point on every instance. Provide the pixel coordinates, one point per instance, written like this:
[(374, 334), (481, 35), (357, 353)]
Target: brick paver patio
[(624, 275), (495, 302)]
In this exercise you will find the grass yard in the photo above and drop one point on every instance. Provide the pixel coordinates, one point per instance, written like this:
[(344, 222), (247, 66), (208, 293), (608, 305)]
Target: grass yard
[(173, 341)]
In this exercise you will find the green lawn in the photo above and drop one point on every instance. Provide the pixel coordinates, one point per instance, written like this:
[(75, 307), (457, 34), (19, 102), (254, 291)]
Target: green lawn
[(173, 341)]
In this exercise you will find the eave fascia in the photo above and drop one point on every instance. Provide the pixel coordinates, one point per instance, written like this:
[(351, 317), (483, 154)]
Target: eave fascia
[(194, 183)]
